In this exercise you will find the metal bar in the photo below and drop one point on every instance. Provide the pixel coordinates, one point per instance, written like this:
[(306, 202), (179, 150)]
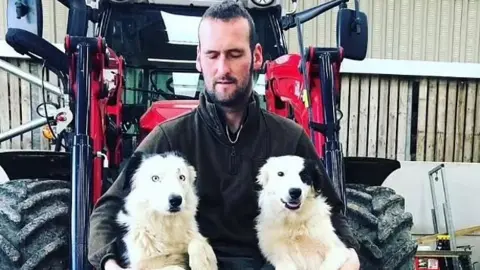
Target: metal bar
[(448, 213), (436, 169), (29, 77), (81, 162), (7, 135), (447, 210), (435, 209)]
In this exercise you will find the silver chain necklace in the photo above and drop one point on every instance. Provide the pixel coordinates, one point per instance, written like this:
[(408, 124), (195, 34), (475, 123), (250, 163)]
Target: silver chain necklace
[(228, 134)]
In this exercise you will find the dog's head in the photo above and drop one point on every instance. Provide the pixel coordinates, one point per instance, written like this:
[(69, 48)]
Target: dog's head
[(288, 182), (162, 182)]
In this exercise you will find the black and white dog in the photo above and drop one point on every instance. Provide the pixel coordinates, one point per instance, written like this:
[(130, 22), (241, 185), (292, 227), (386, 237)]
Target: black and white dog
[(157, 220), (294, 226)]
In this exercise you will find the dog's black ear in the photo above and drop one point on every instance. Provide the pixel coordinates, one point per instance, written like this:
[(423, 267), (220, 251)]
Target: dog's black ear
[(314, 175), (131, 167)]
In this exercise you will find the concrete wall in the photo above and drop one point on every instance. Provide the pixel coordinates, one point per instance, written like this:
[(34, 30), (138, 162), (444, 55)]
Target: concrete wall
[(463, 180)]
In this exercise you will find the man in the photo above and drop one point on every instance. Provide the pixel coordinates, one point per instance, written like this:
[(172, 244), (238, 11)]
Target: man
[(227, 138)]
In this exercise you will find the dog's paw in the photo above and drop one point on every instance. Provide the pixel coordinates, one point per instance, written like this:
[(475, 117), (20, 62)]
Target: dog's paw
[(335, 259), (172, 267), (201, 255)]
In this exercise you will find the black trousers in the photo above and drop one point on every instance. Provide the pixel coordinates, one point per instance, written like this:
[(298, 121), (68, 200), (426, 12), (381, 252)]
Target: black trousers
[(241, 263)]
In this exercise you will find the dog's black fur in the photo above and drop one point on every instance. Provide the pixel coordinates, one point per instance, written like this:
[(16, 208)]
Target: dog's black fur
[(313, 174)]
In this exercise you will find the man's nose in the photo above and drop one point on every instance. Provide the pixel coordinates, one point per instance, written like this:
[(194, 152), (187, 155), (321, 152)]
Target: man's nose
[(223, 66)]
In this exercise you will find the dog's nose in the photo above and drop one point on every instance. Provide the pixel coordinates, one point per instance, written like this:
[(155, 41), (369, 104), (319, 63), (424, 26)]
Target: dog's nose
[(175, 200), (295, 193)]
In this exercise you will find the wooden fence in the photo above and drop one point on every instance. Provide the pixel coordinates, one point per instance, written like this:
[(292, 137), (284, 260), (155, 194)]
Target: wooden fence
[(400, 117), (19, 100), (411, 118)]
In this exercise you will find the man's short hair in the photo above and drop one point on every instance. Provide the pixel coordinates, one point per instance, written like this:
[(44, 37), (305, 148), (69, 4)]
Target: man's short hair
[(228, 10)]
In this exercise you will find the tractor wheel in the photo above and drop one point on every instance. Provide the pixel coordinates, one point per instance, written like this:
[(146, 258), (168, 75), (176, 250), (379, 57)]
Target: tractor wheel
[(34, 224), (378, 220)]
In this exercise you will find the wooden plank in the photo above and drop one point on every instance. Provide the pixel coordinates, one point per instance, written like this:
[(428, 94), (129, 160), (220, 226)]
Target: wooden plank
[(476, 132), (25, 106), (353, 116), (422, 120), (392, 135), (383, 117), (440, 131), (39, 142), (344, 108), (431, 116), (15, 110), (460, 121), (450, 120), (363, 117), (372, 121), (469, 122), (4, 107), (403, 148)]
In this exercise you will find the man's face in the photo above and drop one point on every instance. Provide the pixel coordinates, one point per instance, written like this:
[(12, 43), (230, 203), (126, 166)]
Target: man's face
[(226, 61)]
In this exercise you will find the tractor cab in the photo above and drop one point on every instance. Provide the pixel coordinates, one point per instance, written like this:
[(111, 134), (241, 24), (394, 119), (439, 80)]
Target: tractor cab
[(159, 45)]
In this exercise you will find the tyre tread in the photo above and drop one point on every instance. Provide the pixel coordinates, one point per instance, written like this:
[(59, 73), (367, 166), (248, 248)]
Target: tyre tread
[(382, 227), (34, 224)]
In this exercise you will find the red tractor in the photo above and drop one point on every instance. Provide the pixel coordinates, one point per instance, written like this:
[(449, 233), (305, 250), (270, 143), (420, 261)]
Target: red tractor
[(136, 70)]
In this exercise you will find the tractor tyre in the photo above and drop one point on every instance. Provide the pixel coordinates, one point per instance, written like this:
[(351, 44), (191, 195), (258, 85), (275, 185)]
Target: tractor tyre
[(378, 220), (34, 224)]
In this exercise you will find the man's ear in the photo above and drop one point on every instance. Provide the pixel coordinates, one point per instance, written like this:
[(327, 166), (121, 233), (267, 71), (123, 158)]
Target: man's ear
[(197, 61), (257, 57)]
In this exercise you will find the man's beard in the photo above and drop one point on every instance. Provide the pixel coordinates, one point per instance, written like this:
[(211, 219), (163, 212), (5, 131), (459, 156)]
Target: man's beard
[(240, 96)]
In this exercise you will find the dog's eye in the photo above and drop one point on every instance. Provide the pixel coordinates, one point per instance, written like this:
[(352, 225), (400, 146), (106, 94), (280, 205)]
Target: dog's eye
[(182, 177), (280, 174), (155, 178)]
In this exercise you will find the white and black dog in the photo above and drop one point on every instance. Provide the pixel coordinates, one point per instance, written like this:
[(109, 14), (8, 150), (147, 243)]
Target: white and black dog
[(294, 226), (158, 229)]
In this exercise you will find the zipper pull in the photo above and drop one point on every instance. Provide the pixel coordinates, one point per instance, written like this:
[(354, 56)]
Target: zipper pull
[(233, 163)]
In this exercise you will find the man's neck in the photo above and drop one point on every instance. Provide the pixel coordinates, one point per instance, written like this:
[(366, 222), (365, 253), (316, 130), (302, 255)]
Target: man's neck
[(234, 119)]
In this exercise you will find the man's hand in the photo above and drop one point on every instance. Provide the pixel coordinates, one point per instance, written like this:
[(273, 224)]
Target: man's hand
[(111, 264), (352, 263)]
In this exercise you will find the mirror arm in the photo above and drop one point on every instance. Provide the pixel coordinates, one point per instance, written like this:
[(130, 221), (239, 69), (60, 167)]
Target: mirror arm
[(289, 21), (357, 17)]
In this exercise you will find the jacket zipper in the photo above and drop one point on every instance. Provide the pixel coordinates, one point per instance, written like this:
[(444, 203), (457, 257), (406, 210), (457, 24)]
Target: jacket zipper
[(233, 162)]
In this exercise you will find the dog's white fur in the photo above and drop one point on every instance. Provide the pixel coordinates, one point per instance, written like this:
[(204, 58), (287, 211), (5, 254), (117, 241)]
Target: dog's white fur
[(301, 239), (155, 237)]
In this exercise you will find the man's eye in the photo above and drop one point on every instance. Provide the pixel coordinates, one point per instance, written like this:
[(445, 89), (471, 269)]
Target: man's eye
[(212, 55)]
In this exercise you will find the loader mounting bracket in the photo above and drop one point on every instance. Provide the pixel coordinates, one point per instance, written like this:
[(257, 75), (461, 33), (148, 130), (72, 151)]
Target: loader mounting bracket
[(369, 171), (33, 164)]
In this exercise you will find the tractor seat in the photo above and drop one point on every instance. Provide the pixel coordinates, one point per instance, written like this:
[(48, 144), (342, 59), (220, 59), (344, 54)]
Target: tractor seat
[(25, 42)]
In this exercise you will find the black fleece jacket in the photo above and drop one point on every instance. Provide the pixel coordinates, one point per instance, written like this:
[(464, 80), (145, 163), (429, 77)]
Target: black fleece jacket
[(226, 178)]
